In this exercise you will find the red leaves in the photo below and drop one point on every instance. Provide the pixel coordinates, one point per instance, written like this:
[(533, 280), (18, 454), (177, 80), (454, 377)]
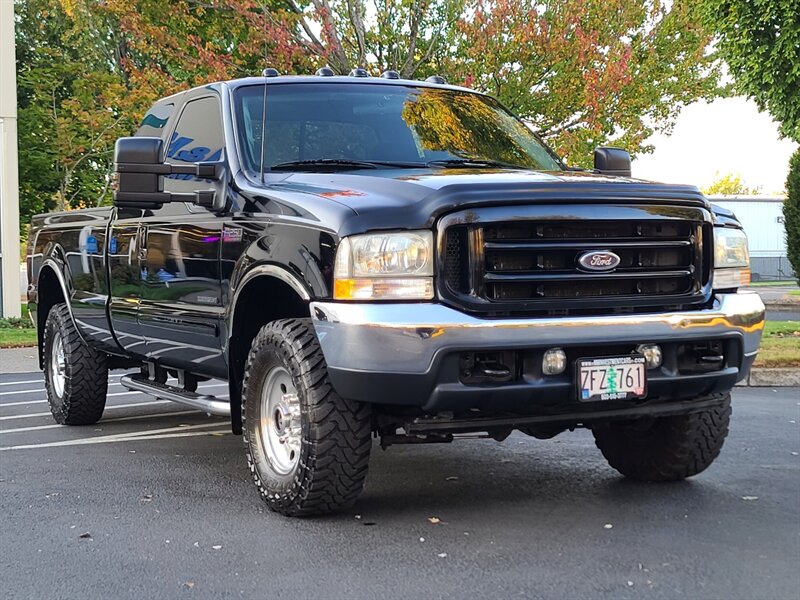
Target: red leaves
[(586, 72)]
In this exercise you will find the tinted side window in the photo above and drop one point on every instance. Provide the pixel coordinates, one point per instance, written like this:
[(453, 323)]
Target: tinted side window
[(198, 137), (154, 121)]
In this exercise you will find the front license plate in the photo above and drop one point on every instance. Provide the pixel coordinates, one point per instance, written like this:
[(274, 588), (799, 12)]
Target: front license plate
[(614, 378)]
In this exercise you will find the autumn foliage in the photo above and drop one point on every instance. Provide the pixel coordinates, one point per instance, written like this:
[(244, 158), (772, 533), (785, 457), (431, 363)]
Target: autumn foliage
[(580, 72)]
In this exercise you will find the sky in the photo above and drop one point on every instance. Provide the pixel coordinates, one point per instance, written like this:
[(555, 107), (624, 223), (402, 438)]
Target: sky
[(728, 135)]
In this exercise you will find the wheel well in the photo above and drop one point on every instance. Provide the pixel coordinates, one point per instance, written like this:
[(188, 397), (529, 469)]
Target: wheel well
[(48, 294), (262, 300)]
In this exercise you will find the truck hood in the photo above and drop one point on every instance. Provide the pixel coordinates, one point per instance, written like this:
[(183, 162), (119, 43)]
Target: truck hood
[(416, 198)]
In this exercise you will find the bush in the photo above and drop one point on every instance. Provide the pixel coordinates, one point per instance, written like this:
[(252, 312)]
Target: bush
[(16, 323), (791, 213)]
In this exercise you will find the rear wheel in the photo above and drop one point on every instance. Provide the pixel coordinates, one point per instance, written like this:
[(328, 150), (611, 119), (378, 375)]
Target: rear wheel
[(307, 448), (665, 448), (75, 375)]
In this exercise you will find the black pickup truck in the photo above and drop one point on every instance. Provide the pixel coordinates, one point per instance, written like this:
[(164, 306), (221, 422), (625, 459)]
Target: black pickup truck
[(370, 256)]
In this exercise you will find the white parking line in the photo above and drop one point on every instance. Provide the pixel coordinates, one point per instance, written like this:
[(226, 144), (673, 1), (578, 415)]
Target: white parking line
[(156, 434), (26, 402), (175, 413), (40, 390), (27, 381), (162, 436), (47, 414), (21, 382)]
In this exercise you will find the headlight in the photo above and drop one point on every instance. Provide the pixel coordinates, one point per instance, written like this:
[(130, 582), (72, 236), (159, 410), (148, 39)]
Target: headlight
[(731, 258), (384, 266)]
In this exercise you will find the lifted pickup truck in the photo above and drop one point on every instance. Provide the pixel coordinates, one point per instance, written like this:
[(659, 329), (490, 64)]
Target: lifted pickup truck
[(364, 256)]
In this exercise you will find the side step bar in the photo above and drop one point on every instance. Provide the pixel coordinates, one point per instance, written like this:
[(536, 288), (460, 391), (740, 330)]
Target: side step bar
[(204, 402)]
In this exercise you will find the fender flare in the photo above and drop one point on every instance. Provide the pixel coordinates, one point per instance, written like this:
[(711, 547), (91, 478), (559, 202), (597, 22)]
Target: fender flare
[(263, 270), (57, 268), (267, 270)]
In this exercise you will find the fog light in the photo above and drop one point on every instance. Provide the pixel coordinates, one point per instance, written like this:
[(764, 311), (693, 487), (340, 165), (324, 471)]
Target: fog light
[(651, 353), (554, 361)]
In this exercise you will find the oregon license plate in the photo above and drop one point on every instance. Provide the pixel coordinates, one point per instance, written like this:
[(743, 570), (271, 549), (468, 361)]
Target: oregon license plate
[(612, 378)]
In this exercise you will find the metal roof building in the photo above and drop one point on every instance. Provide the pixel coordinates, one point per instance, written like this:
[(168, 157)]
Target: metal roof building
[(762, 218)]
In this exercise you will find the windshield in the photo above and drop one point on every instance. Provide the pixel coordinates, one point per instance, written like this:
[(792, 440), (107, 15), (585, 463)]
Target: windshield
[(388, 124)]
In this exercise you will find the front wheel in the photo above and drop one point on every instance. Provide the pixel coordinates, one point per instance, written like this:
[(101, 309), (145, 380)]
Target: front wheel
[(307, 448), (665, 448), (75, 375)]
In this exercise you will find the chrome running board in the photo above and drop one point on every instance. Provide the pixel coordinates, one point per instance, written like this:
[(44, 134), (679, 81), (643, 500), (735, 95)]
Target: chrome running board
[(210, 404)]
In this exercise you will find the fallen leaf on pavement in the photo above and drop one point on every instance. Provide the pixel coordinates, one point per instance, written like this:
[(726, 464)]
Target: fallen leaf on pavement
[(434, 520), (85, 536), (749, 497)]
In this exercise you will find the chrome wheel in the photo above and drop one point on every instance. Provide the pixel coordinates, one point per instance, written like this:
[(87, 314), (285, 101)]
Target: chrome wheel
[(279, 424), (58, 365)]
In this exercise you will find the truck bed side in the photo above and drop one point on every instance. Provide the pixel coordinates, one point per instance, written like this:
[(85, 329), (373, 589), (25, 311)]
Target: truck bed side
[(67, 263)]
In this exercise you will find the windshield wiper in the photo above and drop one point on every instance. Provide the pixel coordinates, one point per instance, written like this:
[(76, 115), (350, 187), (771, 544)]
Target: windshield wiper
[(473, 162), (342, 163)]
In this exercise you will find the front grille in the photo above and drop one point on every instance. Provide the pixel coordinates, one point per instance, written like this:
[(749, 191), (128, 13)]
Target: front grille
[(492, 264)]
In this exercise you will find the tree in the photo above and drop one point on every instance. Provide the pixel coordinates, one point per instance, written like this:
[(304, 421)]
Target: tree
[(760, 42), (589, 72), (791, 213), (408, 36), (728, 185), (581, 72), (69, 112), (89, 69)]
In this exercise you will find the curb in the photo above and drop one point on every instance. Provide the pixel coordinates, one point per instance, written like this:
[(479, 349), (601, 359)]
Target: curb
[(782, 304), (775, 377)]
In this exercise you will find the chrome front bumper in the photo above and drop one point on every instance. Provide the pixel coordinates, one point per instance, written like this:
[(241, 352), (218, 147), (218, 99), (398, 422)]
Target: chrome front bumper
[(408, 339)]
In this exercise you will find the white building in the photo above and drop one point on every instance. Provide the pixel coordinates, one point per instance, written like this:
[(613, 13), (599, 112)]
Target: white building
[(762, 219), (9, 194)]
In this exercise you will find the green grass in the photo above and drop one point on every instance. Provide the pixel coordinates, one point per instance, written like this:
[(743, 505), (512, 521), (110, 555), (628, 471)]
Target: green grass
[(17, 333), (780, 345), (788, 282), (794, 293), (17, 338)]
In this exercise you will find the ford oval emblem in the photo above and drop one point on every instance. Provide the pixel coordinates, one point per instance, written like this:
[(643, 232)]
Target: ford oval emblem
[(598, 260)]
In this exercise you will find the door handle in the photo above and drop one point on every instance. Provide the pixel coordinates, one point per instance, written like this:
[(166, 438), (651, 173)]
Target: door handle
[(141, 236)]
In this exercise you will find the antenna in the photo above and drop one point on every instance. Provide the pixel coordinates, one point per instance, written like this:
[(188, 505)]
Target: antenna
[(264, 107)]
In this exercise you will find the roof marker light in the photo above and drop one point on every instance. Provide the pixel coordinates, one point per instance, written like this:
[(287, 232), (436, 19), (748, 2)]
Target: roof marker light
[(270, 72), (389, 74), (359, 72), (436, 79), (325, 72)]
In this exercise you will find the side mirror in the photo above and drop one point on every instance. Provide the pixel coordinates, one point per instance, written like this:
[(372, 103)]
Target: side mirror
[(612, 161), (137, 162), (138, 167)]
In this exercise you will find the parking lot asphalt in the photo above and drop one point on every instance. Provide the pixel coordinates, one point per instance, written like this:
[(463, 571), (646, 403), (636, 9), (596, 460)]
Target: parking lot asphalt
[(155, 501)]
